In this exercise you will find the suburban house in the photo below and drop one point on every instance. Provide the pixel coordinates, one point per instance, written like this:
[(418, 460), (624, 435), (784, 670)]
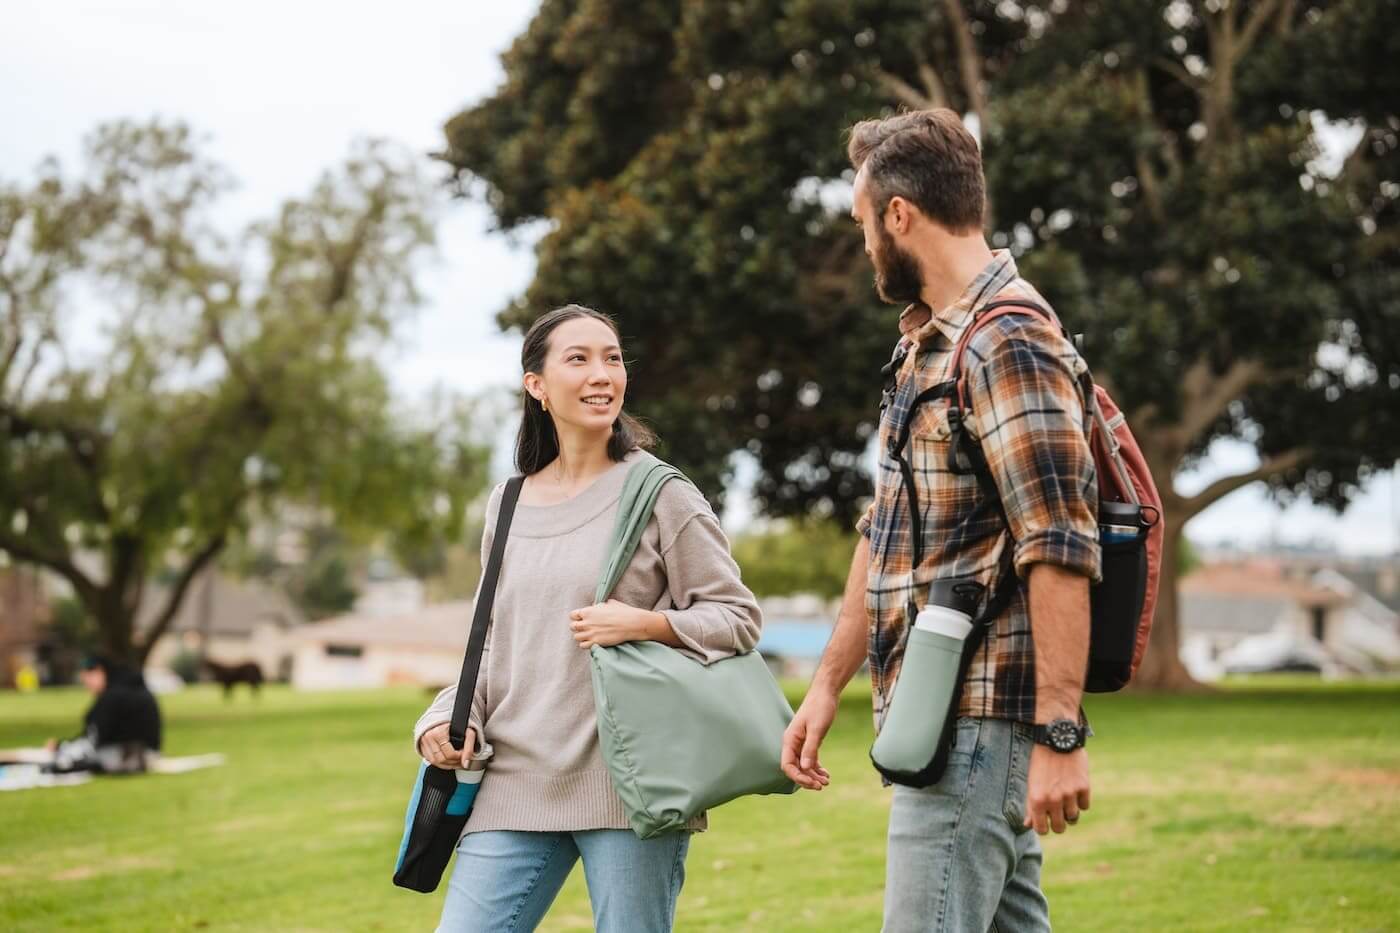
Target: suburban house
[(24, 609), (230, 621), (423, 647), (1258, 615)]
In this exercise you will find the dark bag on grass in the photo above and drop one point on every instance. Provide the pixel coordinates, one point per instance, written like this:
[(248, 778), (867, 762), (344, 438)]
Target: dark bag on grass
[(442, 800)]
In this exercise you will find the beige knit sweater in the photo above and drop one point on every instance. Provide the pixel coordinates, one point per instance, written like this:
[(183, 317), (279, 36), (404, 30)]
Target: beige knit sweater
[(533, 708)]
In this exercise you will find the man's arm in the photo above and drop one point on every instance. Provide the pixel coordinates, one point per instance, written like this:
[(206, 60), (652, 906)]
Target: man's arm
[(1030, 421), (1059, 606), (844, 654), (1058, 785)]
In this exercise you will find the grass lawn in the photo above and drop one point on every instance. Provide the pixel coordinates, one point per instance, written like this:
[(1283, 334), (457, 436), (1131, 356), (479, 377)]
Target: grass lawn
[(1263, 807)]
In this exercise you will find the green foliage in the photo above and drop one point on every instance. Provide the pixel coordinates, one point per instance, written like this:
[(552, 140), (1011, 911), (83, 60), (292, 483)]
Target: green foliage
[(810, 556), (323, 583), (1156, 167), (1187, 559), (70, 636), (187, 666), (161, 385)]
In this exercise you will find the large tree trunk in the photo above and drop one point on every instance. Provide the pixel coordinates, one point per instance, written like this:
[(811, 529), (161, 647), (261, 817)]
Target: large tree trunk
[(115, 626), (1161, 666)]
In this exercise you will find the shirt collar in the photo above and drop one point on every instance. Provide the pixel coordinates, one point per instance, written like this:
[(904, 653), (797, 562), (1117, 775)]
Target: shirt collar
[(919, 326)]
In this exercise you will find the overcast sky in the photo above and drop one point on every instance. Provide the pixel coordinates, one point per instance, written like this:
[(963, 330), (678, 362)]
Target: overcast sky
[(280, 90)]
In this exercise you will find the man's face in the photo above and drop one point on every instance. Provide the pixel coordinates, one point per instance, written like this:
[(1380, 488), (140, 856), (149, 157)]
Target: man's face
[(898, 279)]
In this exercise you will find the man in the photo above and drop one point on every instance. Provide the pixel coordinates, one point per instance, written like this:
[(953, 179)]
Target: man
[(961, 854)]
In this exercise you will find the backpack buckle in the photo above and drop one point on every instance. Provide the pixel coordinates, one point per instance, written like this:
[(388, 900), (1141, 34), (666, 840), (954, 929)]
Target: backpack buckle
[(964, 455)]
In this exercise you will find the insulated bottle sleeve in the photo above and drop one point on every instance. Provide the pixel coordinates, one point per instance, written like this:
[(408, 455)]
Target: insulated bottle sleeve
[(919, 708)]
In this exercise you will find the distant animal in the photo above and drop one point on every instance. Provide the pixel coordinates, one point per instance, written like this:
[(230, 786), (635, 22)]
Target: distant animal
[(232, 674)]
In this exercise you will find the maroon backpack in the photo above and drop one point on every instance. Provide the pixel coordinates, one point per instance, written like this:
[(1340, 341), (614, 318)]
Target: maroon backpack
[(1130, 514)]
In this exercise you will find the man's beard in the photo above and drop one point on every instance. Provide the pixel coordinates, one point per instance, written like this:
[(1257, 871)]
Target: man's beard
[(898, 279)]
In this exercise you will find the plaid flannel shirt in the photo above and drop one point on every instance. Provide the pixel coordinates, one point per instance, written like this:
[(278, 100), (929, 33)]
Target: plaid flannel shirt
[(1027, 413)]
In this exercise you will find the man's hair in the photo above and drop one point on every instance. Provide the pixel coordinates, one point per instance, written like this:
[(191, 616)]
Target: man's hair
[(926, 157)]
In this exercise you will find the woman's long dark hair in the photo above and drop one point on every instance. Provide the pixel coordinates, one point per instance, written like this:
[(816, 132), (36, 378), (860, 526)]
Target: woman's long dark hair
[(537, 444)]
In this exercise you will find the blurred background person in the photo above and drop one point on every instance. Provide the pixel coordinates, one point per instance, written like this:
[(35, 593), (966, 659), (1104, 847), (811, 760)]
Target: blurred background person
[(121, 730)]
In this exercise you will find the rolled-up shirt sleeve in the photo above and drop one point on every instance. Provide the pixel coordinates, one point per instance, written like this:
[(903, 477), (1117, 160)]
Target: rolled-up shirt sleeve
[(712, 612), (1028, 414), (866, 520)]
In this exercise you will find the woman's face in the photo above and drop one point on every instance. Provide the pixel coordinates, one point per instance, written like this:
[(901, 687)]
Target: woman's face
[(583, 378), (94, 678)]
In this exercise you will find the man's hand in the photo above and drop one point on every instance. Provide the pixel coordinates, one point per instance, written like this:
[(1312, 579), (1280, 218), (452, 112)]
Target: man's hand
[(804, 737), (437, 750), (1057, 788)]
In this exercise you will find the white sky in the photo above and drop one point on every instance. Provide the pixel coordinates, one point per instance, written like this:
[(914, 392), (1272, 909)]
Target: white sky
[(280, 90)]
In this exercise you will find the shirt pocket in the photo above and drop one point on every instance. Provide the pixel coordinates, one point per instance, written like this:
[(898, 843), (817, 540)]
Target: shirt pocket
[(930, 422), (929, 435)]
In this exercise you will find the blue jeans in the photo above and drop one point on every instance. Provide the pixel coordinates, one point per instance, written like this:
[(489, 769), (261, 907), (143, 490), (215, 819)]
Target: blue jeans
[(958, 857), (505, 881)]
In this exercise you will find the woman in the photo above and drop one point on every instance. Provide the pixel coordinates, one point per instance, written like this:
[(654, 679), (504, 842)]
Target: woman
[(121, 730), (547, 798)]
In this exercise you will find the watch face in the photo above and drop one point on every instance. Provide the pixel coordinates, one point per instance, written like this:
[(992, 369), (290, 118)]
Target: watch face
[(1064, 735)]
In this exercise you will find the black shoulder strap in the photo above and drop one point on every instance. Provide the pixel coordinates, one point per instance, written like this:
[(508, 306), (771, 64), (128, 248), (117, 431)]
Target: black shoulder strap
[(481, 617)]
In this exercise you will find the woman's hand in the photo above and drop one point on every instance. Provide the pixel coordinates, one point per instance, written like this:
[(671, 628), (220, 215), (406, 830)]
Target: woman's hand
[(437, 750), (612, 623)]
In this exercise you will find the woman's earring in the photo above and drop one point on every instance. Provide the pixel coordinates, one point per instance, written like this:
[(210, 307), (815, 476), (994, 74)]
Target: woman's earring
[(544, 403)]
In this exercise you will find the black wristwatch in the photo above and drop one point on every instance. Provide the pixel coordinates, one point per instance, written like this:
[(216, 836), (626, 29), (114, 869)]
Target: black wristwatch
[(1062, 735)]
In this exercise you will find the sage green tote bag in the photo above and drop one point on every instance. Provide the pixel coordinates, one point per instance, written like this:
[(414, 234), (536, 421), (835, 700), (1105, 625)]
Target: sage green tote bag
[(678, 736)]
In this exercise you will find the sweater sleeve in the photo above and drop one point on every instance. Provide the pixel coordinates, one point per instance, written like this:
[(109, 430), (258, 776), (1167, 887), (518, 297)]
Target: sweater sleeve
[(440, 710), (713, 614)]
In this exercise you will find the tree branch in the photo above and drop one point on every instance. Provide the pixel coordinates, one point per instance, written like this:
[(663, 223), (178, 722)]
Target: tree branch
[(1222, 487), (1207, 395), (1257, 19), (84, 446), (1147, 176), (933, 84), (177, 592), (904, 91), (969, 62), (25, 551), (1179, 72)]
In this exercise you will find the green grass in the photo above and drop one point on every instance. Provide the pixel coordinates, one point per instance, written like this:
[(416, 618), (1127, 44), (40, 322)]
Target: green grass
[(1268, 807)]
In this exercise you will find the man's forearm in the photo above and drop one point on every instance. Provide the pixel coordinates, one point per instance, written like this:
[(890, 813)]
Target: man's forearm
[(846, 650), (1059, 606)]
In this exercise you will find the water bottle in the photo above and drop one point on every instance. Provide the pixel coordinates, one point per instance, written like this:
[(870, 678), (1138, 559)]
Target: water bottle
[(1119, 522), (921, 711)]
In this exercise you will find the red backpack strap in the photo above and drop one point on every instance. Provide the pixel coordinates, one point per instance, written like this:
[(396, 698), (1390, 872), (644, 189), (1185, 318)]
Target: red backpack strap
[(987, 315)]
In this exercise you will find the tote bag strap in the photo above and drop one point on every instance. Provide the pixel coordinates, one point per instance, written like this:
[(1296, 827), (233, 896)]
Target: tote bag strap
[(481, 619), (639, 494)]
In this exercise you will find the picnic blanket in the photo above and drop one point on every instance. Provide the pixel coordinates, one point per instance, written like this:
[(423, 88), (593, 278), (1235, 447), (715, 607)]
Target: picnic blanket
[(24, 768)]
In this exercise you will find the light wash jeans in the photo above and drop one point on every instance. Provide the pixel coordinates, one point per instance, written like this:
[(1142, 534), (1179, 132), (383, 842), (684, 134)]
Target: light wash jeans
[(505, 881), (959, 859)]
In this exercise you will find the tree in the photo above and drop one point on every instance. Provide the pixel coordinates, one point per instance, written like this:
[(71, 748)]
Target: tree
[(1156, 165), (810, 556), (161, 387)]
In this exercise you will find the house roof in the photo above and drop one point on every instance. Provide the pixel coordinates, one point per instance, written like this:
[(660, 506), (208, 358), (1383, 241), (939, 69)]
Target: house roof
[(1247, 597), (1248, 615), (440, 626), (1258, 579), (1378, 582), (236, 608)]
